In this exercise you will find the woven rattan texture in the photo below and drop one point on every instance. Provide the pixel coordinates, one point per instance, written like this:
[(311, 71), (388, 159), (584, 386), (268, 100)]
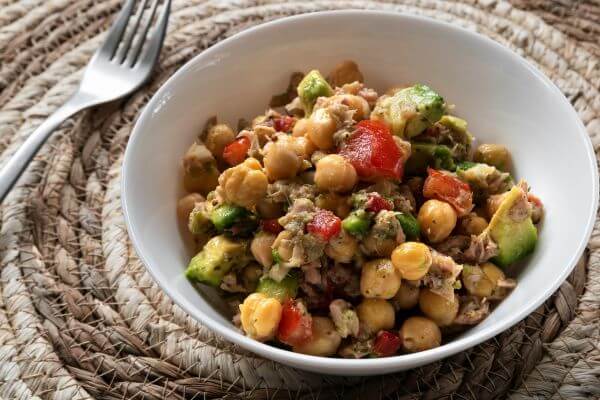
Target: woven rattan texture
[(81, 318)]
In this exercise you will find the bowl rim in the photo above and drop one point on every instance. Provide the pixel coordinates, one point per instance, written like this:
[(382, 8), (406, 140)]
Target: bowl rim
[(385, 364)]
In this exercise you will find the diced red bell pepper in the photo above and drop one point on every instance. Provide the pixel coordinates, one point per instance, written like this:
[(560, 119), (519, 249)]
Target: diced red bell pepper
[(295, 326), (284, 123), (373, 152), (376, 203), (386, 344), (271, 225), (448, 188), (236, 152), (325, 225)]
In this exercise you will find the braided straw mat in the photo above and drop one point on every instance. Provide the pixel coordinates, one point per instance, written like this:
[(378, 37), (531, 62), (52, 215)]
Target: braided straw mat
[(81, 318)]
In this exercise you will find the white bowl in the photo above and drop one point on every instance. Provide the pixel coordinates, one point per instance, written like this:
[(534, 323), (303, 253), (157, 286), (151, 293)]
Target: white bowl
[(503, 98)]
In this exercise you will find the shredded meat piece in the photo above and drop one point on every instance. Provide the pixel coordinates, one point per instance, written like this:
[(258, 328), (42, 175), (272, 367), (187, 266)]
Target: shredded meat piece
[(455, 246), (370, 95), (335, 106), (312, 275), (442, 275), (503, 288), (344, 318), (472, 310), (343, 279), (357, 349), (230, 284), (317, 297), (384, 236), (286, 192), (459, 142), (520, 210), (481, 249)]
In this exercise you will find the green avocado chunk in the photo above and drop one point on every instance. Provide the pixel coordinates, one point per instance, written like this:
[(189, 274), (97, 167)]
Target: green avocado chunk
[(512, 229), (425, 155), (311, 87), (410, 110), (219, 255), (286, 289), (226, 215)]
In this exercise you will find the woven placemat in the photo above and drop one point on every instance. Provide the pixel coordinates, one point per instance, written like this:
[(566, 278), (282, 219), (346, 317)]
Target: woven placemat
[(81, 318)]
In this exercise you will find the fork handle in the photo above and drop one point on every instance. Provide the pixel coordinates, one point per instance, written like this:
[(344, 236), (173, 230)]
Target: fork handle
[(14, 167)]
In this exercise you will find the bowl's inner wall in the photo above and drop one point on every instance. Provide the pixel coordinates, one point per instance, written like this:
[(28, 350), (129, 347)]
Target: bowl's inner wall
[(500, 97)]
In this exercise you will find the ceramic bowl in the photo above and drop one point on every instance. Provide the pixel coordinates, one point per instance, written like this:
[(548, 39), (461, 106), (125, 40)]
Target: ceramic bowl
[(504, 99)]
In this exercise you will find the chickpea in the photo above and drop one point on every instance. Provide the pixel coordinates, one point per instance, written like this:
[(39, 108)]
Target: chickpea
[(250, 276), (493, 273), (335, 203), (437, 220), (342, 247), (412, 260), (200, 172), (317, 156), (325, 339), (269, 209), (379, 279), (281, 160), (303, 146), (472, 224), (407, 297), (217, 138), (260, 316), (476, 281), (261, 248), (321, 128), (494, 154), (440, 309), (301, 127), (335, 174), (419, 334), (355, 103), (185, 205), (375, 315), (244, 185)]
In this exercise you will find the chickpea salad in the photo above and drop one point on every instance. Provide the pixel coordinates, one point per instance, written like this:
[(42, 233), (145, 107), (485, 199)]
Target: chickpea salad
[(343, 222)]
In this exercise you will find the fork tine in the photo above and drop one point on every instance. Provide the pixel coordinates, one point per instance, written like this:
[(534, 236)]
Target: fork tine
[(116, 31), (135, 51), (156, 38), (122, 52)]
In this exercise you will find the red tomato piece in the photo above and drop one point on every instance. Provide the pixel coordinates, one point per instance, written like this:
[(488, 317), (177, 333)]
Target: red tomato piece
[(284, 123), (295, 326), (235, 152), (325, 225), (373, 152), (448, 188), (376, 203), (271, 225), (386, 344)]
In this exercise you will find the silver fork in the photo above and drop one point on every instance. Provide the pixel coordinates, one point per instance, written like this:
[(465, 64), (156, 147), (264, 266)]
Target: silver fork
[(119, 67)]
